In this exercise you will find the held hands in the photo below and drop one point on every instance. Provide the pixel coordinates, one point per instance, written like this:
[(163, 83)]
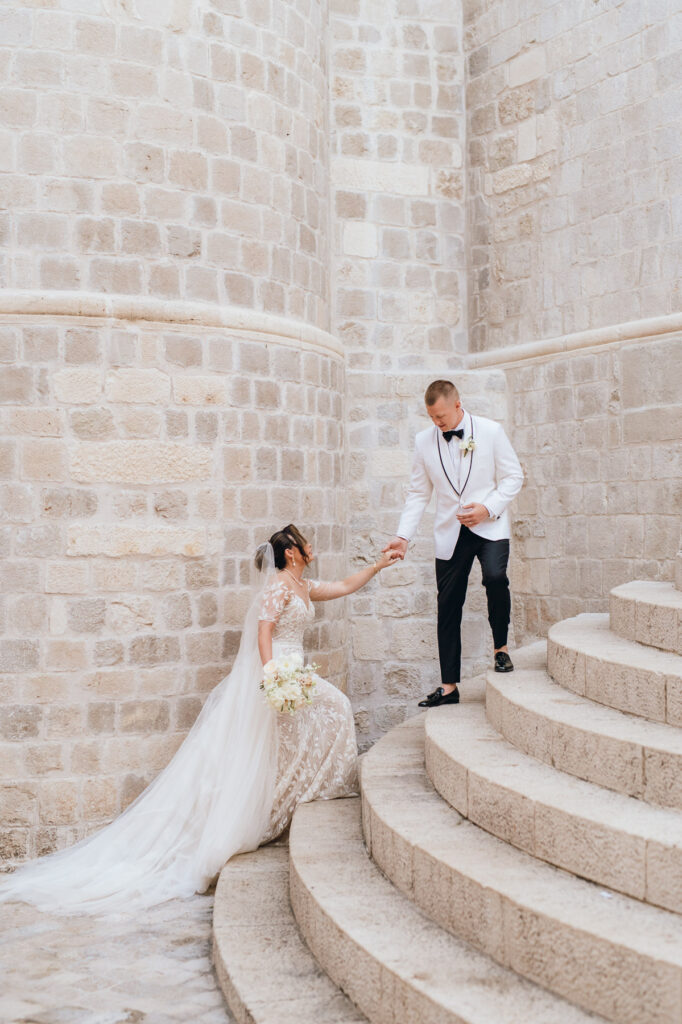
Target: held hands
[(396, 547), (386, 558), (472, 515)]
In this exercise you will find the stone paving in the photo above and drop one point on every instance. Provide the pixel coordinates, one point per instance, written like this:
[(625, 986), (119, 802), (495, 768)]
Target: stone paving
[(155, 968)]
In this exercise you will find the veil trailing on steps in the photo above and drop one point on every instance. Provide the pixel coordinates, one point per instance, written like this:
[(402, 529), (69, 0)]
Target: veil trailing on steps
[(212, 801)]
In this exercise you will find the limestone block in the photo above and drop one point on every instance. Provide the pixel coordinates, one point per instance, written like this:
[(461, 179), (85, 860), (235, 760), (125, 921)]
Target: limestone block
[(403, 574), (87, 615), (663, 777), (108, 652), (58, 802), (507, 814), (163, 575), (123, 541), (19, 576), (112, 576), (663, 885), (139, 462), (526, 67), (18, 721), (154, 650), (65, 655), (37, 541), (369, 641), (78, 386), (375, 176), (144, 716), (414, 641), (18, 804), (44, 460), (99, 799), (36, 422), (115, 683), (137, 386), (16, 384), (390, 462), (195, 390), (526, 140), (360, 239), (584, 847), (643, 991), (511, 177), (18, 655)]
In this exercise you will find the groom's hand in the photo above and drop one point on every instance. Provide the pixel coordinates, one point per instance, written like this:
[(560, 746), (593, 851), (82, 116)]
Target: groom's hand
[(472, 515), (397, 544)]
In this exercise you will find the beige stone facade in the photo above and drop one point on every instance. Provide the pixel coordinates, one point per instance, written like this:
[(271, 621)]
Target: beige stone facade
[(239, 237)]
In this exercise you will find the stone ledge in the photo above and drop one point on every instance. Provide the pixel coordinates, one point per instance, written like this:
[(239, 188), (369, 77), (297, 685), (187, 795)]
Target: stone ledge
[(648, 612), (240, 320), (650, 329), (585, 657)]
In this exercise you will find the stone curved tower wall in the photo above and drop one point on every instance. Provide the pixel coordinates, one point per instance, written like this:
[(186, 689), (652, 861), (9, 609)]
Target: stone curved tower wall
[(171, 150), (575, 215), (168, 392)]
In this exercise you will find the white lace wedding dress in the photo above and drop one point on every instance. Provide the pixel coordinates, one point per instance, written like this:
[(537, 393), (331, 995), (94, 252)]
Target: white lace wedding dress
[(317, 747), (232, 785)]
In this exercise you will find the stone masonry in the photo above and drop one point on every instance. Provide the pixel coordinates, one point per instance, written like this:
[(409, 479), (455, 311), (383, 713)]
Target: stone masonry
[(140, 469), (239, 238)]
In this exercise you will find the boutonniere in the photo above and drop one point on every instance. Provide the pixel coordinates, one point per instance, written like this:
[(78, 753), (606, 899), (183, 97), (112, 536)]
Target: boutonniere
[(466, 446)]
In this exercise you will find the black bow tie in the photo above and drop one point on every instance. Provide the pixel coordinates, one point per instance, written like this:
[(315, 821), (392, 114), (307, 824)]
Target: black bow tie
[(449, 434)]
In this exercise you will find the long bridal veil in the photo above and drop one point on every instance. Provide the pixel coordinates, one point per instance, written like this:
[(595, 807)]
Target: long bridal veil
[(213, 800)]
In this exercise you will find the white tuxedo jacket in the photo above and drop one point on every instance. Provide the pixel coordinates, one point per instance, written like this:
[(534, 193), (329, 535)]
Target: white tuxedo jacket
[(491, 475)]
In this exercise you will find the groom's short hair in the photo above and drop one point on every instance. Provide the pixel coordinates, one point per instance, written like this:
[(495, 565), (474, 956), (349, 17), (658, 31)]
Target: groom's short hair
[(440, 389)]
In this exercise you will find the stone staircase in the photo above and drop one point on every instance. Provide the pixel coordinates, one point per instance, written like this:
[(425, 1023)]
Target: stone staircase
[(513, 862)]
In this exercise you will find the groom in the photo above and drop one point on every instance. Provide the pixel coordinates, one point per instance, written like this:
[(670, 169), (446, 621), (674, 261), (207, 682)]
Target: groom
[(471, 465)]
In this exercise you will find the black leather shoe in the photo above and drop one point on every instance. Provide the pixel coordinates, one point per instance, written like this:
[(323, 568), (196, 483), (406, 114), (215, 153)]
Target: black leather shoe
[(503, 662), (439, 697)]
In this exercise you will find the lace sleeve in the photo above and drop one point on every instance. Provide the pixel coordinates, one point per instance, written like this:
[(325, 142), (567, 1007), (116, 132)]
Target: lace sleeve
[(275, 598), (320, 591)]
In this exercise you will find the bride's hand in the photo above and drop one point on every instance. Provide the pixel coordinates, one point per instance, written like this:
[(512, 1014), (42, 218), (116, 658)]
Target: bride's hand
[(387, 558)]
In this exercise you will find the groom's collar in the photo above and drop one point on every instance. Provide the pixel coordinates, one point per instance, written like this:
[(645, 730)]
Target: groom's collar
[(464, 424)]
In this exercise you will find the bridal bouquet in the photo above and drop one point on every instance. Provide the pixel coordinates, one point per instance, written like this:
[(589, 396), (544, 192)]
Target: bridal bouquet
[(288, 685)]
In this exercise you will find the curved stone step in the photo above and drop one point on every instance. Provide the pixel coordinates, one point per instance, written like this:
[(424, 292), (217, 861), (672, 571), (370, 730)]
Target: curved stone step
[(629, 755), (265, 969), (395, 964), (601, 950), (648, 612), (584, 656), (600, 835)]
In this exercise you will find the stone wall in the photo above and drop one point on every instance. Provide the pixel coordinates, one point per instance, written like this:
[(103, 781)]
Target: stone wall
[(599, 433), (574, 179), (574, 166), (399, 307), (194, 195), (176, 150), (140, 466), (164, 176)]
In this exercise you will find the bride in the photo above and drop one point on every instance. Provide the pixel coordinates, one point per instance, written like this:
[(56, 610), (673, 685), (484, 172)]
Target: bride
[(235, 781)]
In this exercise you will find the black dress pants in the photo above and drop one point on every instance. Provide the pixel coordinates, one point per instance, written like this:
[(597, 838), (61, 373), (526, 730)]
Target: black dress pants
[(452, 577)]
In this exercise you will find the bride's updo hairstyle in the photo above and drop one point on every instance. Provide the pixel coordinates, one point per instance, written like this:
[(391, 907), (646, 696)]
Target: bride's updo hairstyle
[(289, 537)]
